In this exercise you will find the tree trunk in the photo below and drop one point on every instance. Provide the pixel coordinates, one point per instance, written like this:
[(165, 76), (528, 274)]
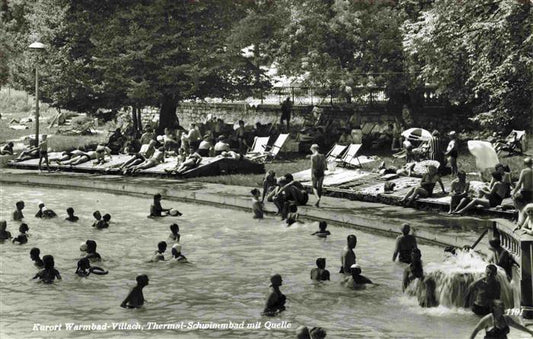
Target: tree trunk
[(139, 120), (134, 118), (167, 114)]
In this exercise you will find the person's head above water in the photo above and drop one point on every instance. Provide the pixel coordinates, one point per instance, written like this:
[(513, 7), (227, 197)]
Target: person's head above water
[(355, 269), (70, 211), (321, 263), (157, 197), (97, 215), (83, 264), (322, 225), (497, 175), (106, 217), (490, 271), (255, 192), (275, 280), (406, 228), (317, 333), (48, 261), (34, 253), (174, 228), (416, 255), (352, 241), (3, 225), (41, 204), (162, 246), (23, 228), (176, 250), (20, 205), (142, 280), (91, 246)]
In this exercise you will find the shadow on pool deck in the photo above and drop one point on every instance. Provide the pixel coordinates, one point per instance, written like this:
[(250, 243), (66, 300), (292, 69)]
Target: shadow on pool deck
[(432, 226)]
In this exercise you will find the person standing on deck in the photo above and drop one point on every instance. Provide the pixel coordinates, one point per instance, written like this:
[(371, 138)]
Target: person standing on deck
[(318, 168), (286, 108), (451, 152), (435, 148)]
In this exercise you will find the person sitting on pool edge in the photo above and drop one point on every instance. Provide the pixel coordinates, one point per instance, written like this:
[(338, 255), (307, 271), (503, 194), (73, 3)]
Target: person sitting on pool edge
[(71, 217), (49, 273), (320, 273), (90, 247), (322, 232), (22, 238), (35, 257), (415, 269), (98, 217), (276, 300), (293, 215), (174, 233), (4, 235), (17, 215), (44, 212), (158, 254), (404, 245), (104, 223), (356, 280), (177, 255), (487, 198), (257, 205), (483, 291), (156, 210), (135, 298), (348, 255), (425, 189), (496, 324), (84, 268)]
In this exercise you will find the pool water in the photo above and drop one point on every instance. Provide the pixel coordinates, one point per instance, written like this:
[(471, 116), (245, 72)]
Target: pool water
[(232, 258)]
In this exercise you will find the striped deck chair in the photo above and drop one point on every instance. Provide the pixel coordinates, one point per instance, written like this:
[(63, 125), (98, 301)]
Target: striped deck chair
[(350, 157), (335, 152), (259, 147)]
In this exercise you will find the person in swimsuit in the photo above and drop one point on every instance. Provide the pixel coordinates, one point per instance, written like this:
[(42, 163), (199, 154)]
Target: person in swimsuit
[(405, 244), (257, 205), (276, 300), (241, 137), (487, 198), (523, 192), (158, 254), (22, 238), (17, 215), (193, 160), (7, 149), (49, 273), (84, 268), (135, 298), (501, 257), (415, 269), (104, 223), (320, 273), (269, 183), (497, 323), (90, 248), (156, 210), (174, 233), (4, 235), (157, 158), (29, 153), (483, 291), (81, 158), (425, 190), (98, 217), (101, 151), (452, 152), (35, 257), (356, 280), (459, 190), (71, 217), (348, 256), (318, 168), (43, 152), (144, 154), (322, 231), (177, 255), (44, 212)]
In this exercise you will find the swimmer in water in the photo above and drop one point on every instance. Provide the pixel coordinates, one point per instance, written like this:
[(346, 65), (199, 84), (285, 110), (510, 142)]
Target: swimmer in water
[(35, 257), (276, 300), (348, 255), (4, 235), (320, 273), (156, 210), (414, 270), (44, 212), (22, 238), (84, 268), (104, 223), (71, 217), (90, 248), (135, 298), (98, 217), (49, 273), (257, 204), (177, 255), (158, 255), (174, 233), (17, 215), (356, 280), (322, 232)]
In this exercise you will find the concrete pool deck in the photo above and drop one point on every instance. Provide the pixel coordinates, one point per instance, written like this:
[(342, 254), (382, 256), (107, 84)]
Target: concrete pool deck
[(430, 226)]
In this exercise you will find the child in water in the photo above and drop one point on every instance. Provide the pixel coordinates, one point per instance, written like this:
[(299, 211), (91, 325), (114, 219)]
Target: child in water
[(136, 298), (22, 238), (90, 247), (44, 212), (71, 217), (158, 255), (85, 268), (357, 281), (257, 204), (34, 255), (176, 254), (156, 210), (4, 235), (17, 215), (320, 273), (322, 232), (104, 223), (49, 273), (174, 233), (98, 217)]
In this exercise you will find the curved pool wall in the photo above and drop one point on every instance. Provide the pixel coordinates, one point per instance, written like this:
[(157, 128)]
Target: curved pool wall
[(430, 227)]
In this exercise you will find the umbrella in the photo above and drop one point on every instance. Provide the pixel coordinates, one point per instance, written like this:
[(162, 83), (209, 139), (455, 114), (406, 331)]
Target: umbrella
[(416, 134)]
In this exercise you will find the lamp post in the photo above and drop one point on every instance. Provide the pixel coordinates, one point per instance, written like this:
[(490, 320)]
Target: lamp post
[(37, 46)]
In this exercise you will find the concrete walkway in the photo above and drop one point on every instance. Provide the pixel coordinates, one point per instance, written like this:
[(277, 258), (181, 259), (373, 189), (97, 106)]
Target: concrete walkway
[(434, 227)]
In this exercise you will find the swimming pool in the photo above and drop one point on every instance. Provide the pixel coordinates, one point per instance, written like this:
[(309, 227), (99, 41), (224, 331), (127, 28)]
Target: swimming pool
[(232, 257)]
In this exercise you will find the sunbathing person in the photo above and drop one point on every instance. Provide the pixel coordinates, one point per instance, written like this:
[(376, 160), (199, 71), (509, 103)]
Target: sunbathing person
[(80, 158), (7, 149), (101, 152), (193, 160), (157, 158), (221, 145), (488, 198), (31, 152), (425, 189), (229, 154), (144, 154)]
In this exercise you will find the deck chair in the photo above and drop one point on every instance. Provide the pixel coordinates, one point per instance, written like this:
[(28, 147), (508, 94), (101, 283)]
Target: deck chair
[(335, 152), (350, 157), (259, 147), (272, 153), (512, 146)]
